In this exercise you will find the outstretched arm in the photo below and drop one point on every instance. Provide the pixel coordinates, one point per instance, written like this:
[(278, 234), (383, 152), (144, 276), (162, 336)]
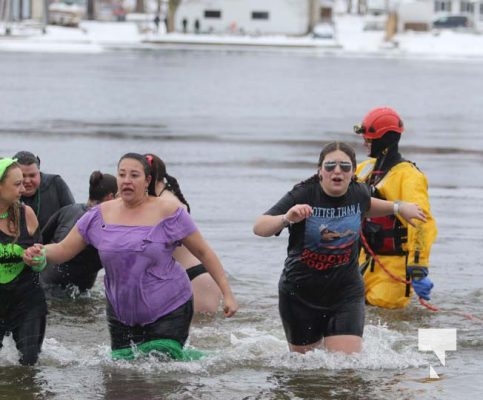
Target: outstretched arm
[(55, 253), (408, 211)]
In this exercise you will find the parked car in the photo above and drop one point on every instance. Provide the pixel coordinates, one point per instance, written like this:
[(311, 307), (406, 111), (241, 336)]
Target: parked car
[(452, 21), (65, 14), (323, 30)]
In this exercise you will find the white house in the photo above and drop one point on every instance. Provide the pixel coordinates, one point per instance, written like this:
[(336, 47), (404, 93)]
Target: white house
[(471, 8), (414, 14), (259, 17)]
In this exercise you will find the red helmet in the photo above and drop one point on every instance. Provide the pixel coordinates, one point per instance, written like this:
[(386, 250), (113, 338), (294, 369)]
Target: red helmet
[(379, 121)]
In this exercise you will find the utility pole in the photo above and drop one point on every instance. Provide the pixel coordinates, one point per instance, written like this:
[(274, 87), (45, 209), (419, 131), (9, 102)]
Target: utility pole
[(46, 16), (91, 10), (8, 17)]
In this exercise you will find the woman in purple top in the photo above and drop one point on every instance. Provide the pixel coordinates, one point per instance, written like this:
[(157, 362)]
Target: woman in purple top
[(149, 295)]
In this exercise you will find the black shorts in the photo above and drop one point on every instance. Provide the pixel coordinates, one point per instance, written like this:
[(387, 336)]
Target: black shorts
[(174, 325), (305, 323)]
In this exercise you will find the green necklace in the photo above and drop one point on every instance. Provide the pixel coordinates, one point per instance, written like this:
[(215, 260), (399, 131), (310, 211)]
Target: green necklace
[(4, 215)]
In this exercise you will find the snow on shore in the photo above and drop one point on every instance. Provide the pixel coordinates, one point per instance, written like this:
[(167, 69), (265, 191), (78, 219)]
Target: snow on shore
[(351, 39)]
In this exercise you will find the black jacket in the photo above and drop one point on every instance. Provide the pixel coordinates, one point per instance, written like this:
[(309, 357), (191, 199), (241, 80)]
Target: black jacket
[(52, 195)]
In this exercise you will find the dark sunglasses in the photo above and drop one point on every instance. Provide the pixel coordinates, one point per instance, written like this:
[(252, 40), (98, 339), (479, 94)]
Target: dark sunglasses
[(345, 166)]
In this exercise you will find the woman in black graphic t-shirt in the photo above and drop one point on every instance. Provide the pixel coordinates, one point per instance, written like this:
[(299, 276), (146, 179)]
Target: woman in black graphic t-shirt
[(321, 293)]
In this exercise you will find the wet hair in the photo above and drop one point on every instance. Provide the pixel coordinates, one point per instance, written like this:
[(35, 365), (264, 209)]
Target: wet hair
[(158, 168), (146, 168), (27, 158), (101, 185), (13, 221), (330, 148)]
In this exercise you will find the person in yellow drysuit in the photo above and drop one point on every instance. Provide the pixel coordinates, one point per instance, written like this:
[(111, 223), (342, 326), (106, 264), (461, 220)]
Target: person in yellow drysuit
[(393, 252)]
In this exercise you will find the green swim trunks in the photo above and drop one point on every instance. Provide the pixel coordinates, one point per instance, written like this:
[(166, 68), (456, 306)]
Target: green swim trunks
[(169, 347)]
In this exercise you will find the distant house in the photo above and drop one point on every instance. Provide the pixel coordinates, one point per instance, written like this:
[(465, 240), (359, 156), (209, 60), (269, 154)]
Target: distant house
[(415, 15), (420, 14), (376, 7), (15, 9), (471, 8), (254, 17), (19, 10)]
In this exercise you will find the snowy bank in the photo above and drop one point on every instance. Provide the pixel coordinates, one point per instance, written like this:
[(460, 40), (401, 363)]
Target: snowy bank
[(350, 39)]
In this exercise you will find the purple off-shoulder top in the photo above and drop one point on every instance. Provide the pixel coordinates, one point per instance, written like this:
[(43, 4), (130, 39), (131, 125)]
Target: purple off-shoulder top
[(142, 280)]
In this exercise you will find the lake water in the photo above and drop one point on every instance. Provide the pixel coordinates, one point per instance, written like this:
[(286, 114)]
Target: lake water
[(238, 129)]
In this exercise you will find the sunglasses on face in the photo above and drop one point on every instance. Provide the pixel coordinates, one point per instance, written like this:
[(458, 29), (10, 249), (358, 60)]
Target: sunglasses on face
[(345, 166)]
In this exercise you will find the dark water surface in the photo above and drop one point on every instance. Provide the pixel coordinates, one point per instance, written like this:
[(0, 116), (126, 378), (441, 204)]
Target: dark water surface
[(238, 129)]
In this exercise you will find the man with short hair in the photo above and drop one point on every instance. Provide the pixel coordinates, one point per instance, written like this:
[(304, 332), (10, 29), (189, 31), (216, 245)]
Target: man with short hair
[(395, 255), (45, 193)]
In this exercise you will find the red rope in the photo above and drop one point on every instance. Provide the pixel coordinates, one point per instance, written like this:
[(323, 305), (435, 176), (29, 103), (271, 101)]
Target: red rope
[(428, 305), (423, 302), (378, 261)]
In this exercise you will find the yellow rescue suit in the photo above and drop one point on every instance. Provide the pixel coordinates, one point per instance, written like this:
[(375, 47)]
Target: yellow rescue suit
[(400, 246)]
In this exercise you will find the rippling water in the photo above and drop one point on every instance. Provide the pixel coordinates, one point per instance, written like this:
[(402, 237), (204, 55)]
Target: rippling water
[(238, 129)]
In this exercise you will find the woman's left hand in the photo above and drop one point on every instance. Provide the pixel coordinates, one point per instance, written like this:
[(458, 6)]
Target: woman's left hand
[(411, 210), (230, 306)]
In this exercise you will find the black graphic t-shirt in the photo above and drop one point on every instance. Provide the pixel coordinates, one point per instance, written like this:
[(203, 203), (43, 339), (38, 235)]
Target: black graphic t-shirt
[(322, 254)]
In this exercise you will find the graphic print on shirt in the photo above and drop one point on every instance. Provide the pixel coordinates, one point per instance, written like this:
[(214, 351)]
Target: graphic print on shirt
[(330, 235), (11, 263)]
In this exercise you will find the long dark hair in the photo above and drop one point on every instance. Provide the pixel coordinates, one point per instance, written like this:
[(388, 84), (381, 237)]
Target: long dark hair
[(158, 168), (327, 149)]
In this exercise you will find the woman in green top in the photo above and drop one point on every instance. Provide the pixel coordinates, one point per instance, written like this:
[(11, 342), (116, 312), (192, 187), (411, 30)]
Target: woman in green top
[(23, 308)]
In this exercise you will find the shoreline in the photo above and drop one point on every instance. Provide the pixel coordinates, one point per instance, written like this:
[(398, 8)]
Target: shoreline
[(350, 40)]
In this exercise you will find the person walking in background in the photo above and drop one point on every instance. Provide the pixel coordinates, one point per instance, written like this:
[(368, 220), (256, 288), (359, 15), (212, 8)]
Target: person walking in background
[(206, 294), (149, 296), (321, 293), (45, 193), (23, 308), (394, 255), (156, 21), (78, 274)]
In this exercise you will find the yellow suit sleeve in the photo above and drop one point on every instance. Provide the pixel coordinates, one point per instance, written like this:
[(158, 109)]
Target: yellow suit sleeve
[(407, 183)]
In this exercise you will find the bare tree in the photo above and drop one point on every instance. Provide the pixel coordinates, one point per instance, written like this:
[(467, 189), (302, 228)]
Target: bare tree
[(91, 10), (172, 7), (313, 14), (140, 6)]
